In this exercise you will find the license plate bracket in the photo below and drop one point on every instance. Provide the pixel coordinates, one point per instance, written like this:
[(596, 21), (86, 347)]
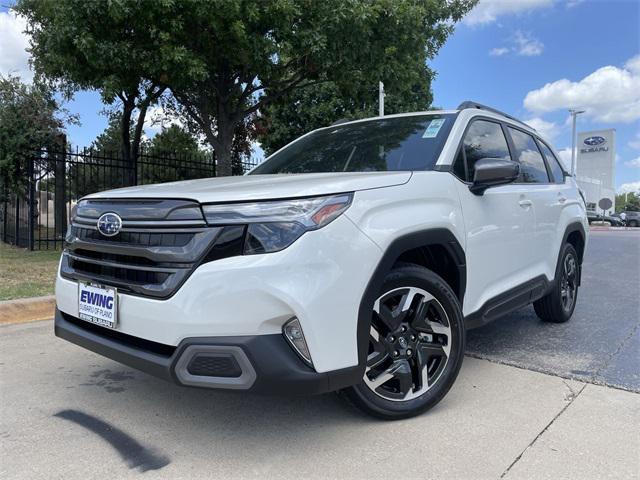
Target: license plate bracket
[(98, 304)]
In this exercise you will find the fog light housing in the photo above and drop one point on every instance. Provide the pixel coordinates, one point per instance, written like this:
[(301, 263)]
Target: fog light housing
[(292, 331)]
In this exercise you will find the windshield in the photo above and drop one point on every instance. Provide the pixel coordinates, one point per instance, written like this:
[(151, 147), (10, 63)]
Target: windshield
[(390, 144)]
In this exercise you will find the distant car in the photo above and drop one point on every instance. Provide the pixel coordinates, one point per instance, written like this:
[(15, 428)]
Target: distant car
[(613, 221), (632, 219)]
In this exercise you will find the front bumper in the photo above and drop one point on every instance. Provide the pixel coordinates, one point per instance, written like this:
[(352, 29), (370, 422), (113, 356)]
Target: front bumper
[(320, 279), (255, 363)]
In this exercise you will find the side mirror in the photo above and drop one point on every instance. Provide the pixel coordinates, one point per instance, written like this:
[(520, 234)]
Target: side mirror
[(490, 172)]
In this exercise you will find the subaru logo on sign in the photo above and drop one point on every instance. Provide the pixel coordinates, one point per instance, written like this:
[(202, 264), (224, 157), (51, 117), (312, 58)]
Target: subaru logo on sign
[(593, 141), (109, 224)]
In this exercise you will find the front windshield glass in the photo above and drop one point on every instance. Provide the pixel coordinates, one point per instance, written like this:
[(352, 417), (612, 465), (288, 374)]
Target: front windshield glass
[(389, 144)]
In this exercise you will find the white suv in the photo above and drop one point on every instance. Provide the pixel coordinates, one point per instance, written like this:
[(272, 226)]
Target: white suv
[(351, 260)]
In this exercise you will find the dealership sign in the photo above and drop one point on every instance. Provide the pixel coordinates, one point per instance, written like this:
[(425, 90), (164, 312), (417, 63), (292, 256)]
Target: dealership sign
[(594, 143)]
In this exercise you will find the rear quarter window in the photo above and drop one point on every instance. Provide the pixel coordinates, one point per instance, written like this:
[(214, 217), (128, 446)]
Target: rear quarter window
[(554, 165)]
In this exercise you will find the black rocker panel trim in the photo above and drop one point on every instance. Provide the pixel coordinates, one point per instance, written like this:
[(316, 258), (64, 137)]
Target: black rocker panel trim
[(507, 302), (423, 238)]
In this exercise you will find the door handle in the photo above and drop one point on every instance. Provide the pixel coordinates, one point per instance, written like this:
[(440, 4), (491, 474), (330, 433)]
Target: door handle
[(562, 198), (525, 203)]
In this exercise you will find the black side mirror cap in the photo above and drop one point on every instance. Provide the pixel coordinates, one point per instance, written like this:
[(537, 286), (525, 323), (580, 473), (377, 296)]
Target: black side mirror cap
[(490, 172)]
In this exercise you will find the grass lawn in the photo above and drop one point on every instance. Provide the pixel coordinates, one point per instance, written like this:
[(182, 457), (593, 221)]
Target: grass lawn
[(26, 274)]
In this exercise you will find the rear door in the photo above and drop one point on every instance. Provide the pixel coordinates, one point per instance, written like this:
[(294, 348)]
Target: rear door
[(561, 197), (499, 224), (547, 198)]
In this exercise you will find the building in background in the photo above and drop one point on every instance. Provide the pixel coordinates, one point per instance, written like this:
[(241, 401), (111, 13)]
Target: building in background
[(596, 168)]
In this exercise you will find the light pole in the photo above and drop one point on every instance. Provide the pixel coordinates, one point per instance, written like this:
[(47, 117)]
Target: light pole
[(574, 113), (380, 99)]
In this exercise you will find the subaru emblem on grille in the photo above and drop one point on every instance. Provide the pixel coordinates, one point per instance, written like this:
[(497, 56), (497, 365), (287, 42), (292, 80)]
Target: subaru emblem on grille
[(109, 224)]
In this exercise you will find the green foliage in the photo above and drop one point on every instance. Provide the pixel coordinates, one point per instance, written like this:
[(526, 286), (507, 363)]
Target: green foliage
[(30, 119), (243, 55), (319, 105), (173, 141), (629, 202), (109, 142), (118, 48), (226, 61)]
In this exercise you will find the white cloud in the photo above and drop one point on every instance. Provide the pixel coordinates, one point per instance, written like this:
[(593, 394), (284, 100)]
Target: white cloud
[(629, 187), (548, 130), (633, 163), (573, 3), (14, 59), (610, 94), (527, 46), (487, 11), (157, 118), (565, 158), (522, 43), (499, 51)]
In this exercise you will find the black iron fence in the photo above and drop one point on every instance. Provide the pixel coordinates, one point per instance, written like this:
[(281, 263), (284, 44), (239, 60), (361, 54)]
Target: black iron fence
[(36, 215)]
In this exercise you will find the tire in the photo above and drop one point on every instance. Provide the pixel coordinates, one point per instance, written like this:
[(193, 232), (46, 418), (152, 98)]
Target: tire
[(416, 345), (558, 305), (633, 223)]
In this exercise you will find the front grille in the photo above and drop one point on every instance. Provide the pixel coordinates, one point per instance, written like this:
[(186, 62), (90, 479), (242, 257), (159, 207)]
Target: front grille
[(147, 257), (119, 274), (143, 239)]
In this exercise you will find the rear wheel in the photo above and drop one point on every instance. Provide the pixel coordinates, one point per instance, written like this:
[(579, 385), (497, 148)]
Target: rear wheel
[(633, 223), (558, 305), (416, 345)]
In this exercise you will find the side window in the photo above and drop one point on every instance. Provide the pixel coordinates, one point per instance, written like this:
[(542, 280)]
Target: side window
[(458, 166), (484, 139), (532, 168), (554, 165)]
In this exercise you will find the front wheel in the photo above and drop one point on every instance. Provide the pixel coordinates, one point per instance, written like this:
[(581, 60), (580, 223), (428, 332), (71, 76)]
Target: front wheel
[(416, 345)]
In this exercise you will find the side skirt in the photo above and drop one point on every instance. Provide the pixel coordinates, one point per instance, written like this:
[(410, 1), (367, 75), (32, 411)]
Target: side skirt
[(507, 302)]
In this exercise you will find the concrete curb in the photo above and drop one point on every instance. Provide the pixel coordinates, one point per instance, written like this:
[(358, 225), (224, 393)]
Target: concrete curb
[(25, 310)]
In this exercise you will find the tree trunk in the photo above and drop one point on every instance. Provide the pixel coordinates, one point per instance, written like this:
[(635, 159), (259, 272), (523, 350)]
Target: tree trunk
[(129, 174), (224, 147)]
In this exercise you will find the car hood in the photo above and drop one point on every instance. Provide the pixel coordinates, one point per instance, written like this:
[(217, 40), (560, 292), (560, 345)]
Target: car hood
[(261, 187)]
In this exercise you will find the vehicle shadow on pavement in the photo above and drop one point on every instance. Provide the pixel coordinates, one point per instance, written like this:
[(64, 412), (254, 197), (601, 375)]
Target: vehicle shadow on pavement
[(132, 452)]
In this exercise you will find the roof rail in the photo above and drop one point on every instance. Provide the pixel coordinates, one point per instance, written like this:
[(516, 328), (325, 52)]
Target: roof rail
[(479, 106)]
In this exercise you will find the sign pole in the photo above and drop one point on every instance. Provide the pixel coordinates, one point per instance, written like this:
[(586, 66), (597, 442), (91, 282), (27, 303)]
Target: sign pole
[(574, 113), (380, 99)]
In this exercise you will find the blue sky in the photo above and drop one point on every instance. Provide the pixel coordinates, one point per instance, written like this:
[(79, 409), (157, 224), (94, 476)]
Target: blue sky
[(505, 50), (531, 58)]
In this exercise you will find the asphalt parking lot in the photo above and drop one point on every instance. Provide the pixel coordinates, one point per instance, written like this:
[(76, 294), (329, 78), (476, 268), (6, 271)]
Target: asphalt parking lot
[(601, 343), (532, 401)]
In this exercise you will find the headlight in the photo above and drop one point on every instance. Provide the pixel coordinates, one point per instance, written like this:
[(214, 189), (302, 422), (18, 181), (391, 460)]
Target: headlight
[(276, 224)]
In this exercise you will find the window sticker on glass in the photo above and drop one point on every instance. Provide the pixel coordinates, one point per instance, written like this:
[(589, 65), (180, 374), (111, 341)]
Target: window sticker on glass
[(433, 128)]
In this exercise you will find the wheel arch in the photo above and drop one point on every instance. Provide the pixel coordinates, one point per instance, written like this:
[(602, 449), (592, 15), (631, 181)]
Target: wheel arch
[(422, 248), (576, 236)]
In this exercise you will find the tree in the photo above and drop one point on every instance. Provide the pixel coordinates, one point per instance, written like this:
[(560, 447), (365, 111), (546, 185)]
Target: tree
[(117, 48), (629, 202), (30, 120), (319, 105), (240, 56), (173, 141)]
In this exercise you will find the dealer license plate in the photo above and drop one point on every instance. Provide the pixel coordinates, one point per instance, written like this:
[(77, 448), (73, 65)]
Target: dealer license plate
[(98, 304)]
